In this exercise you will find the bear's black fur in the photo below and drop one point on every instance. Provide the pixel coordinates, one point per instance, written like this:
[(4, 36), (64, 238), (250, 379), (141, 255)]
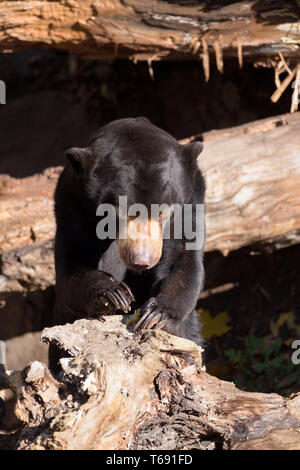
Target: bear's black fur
[(133, 158)]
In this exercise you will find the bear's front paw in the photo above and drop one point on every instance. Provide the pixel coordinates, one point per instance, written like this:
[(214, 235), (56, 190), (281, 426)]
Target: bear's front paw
[(117, 296), (155, 315)]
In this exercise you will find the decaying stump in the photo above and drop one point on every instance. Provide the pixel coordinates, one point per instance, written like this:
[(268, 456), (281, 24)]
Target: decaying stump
[(253, 195), (153, 30), (119, 390)]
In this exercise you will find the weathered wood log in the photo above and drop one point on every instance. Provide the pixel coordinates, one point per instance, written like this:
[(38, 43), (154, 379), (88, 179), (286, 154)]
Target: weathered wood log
[(253, 184), (119, 390), (152, 30), (253, 195), (27, 231)]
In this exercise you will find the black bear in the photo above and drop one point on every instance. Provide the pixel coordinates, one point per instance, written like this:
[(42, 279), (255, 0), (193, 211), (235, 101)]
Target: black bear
[(95, 275)]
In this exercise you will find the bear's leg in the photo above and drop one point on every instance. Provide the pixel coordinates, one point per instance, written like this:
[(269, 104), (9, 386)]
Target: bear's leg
[(178, 291), (191, 328)]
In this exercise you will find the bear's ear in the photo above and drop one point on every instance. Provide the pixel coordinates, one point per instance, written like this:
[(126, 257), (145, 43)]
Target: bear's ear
[(192, 150), (79, 158)]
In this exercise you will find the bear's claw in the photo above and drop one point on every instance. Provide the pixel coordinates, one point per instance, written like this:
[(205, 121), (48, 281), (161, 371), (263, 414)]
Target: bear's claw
[(119, 298), (157, 317), (128, 290)]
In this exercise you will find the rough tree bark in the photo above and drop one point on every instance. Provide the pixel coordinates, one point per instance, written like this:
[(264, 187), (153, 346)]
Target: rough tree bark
[(153, 30), (253, 195), (120, 390), (27, 231)]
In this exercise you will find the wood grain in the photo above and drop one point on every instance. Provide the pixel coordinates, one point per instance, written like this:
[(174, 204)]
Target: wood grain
[(120, 390), (152, 30)]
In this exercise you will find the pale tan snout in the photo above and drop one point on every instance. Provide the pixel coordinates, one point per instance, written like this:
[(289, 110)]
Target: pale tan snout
[(142, 247)]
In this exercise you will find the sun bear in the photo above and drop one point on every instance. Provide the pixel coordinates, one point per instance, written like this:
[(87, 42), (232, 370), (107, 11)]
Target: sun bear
[(129, 160)]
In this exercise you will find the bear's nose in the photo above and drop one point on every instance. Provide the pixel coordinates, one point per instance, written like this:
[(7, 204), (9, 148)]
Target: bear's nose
[(141, 261)]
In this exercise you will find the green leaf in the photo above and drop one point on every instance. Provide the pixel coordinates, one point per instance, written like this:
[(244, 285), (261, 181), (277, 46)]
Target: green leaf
[(253, 345), (234, 355), (259, 367), (276, 362), (273, 348)]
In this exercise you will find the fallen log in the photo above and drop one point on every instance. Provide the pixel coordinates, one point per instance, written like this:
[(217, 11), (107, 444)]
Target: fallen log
[(152, 30), (253, 184), (253, 196), (27, 231), (119, 390)]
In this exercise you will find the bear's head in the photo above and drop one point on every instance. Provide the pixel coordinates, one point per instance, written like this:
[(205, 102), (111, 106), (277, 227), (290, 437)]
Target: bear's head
[(132, 158)]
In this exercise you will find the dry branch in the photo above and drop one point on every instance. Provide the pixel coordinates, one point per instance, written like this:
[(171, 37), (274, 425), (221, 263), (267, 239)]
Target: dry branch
[(151, 29), (253, 195), (120, 390), (283, 86)]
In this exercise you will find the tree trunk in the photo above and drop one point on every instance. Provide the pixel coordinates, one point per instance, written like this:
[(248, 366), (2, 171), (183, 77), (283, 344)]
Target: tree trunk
[(253, 196), (120, 390), (153, 30)]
